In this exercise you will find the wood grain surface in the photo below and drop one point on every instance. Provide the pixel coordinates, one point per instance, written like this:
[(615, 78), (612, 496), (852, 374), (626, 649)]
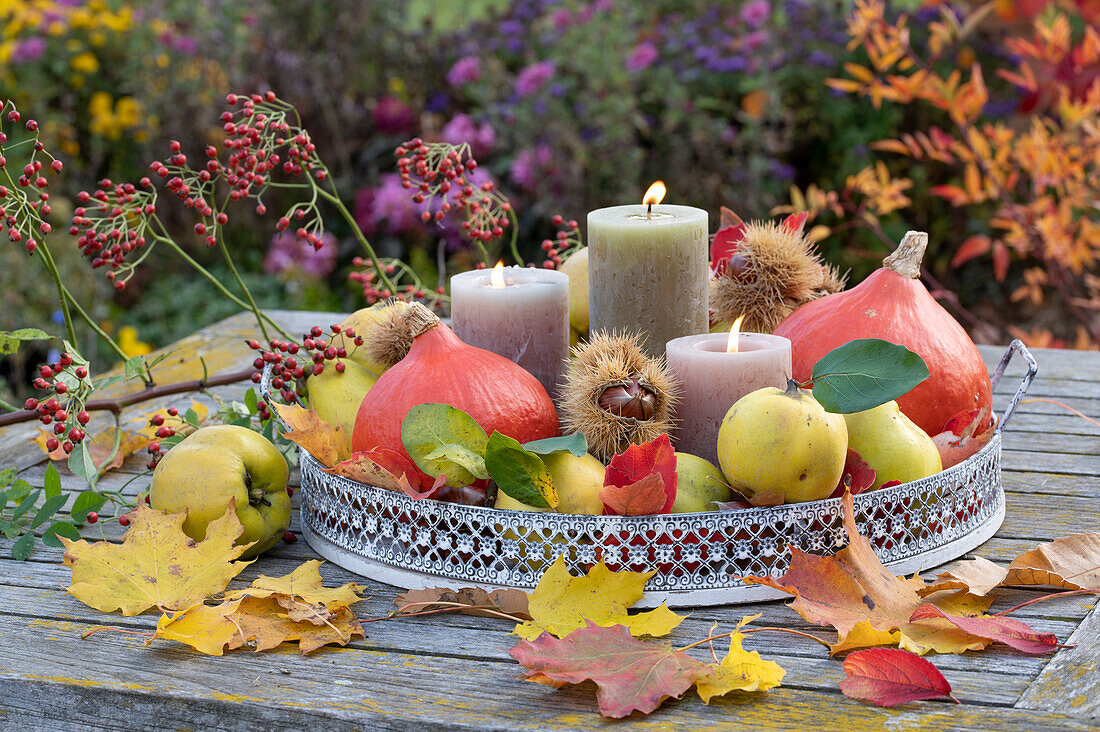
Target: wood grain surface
[(454, 672)]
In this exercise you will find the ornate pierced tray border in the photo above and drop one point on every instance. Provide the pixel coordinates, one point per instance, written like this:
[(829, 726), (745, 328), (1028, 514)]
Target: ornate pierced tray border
[(391, 538)]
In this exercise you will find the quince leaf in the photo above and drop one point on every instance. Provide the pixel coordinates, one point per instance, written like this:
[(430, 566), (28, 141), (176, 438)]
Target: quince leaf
[(740, 670), (630, 675), (562, 603), (327, 443), (156, 565), (864, 373), (519, 473), (444, 440)]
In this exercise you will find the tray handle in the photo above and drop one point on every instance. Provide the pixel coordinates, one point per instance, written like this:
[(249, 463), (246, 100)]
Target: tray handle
[(265, 394), (1017, 346)]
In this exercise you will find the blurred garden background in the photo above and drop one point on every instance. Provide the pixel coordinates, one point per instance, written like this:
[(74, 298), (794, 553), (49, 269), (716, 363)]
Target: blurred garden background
[(973, 121)]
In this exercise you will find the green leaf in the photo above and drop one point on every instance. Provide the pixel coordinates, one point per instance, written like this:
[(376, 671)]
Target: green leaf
[(26, 505), (52, 481), (22, 548), (251, 401), (10, 339), (7, 476), (245, 422), (48, 509), (191, 417), (59, 528), (519, 473), (81, 464), (19, 490), (575, 443), (429, 428), (134, 367), (85, 502), (864, 373), (68, 377), (106, 381), (10, 529)]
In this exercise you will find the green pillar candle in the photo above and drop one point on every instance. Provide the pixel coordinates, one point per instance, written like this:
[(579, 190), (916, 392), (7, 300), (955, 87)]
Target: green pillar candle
[(648, 272)]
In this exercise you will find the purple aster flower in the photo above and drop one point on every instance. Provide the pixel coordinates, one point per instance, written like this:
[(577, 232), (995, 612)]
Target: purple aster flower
[(531, 78), (642, 57), (287, 255), (388, 207), (461, 128), (756, 13), (29, 50), (529, 166), (464, 71), (755, 40)]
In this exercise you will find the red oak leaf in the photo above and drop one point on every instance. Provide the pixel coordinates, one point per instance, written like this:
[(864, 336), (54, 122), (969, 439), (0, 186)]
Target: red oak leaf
[(1009, 631), (857, 477), (887, 677), (795, 222), (630, 675), (629, 469)]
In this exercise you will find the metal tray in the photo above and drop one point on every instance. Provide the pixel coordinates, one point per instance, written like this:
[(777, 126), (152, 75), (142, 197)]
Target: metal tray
[(389, 537)]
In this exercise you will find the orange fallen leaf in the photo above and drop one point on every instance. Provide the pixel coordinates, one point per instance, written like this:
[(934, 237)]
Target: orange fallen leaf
[(100, 445), (302, 593), (327, 443), (156, 565)]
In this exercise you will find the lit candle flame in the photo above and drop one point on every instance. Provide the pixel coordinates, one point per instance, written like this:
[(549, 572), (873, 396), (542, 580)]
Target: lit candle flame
[(655, 193), (496, 279), (735, 335)]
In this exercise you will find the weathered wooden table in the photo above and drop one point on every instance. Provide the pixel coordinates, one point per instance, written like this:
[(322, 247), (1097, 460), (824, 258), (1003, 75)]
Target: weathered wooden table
[(454, 671)]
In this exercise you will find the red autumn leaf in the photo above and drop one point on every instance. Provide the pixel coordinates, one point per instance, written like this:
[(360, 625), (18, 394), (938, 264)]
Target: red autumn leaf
[(642, 498), (795, 222), (954, 448), (974, 246), (724, 246), (955, 195), (728, 218), (628, 469), (887, 677), (1009, 631), (630, 675), (857, 477), (961, 421), (890, 484)]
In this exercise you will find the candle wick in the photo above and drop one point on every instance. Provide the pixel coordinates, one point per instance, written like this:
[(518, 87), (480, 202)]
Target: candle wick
[(649, 212)]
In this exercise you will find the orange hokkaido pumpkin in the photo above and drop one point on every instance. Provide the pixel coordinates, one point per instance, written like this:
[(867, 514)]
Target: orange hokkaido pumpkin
[(893, 305), (440, 368)]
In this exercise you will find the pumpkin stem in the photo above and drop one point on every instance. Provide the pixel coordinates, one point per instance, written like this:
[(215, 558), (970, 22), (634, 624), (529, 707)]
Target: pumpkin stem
[(907, 257), (419, 319)]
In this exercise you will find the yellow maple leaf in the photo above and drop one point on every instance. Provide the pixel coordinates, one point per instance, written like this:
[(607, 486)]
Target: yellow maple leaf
[(156, 565), (302, 593), (740, 670), (329, 444), (206, 628), (259, 623), (863, 635), (562, 603)]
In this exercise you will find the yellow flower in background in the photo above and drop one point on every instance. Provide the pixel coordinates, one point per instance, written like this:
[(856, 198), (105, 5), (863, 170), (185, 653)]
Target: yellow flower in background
[(129, 343), (128, 112), (85, 63)]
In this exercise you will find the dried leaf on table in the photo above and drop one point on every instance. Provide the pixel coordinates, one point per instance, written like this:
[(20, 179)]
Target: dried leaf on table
[(512, 602), (887, 677), (302, 593), (853, 592), (156, 565), (562, 603), (740, 670), (1070, 562), (1009, 631), (261, 623), (630, 675), (636, 478), (327, 443)]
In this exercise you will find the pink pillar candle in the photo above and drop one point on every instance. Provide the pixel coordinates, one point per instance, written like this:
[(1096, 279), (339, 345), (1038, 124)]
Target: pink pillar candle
[(524, 317), (712, 380)]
